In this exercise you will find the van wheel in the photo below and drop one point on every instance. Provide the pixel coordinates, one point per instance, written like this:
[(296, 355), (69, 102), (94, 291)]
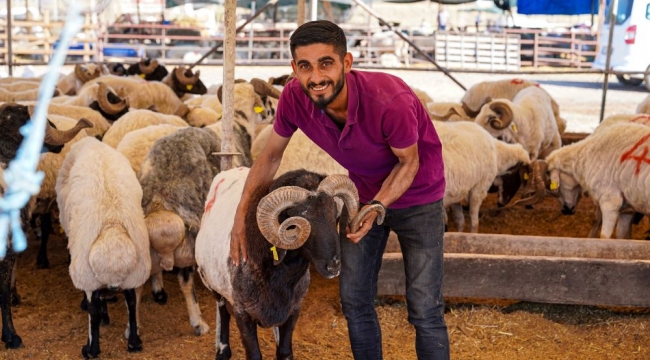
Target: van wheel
[(647, 78), (627, 80)]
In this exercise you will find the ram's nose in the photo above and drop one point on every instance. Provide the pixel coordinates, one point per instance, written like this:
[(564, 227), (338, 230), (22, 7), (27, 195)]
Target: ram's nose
[(568, 210), (334, 266)]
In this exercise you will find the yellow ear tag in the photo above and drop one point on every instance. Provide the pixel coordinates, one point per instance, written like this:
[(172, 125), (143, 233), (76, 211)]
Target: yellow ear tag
[(189, 87), (514, 127), (525, 176), (554, 185), (258, 109), (142, 75), (274, 250)]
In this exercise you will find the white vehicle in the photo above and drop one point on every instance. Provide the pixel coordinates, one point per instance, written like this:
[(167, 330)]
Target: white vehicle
[(630, 41)]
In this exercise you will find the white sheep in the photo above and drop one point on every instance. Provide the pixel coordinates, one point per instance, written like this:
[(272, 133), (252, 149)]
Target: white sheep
[(644, 106), (138, 119), (447, 111), (100, 124), (99, 198), (612, 166), (483, 92), (72, 83), (473, 159), (135, 145), (527, 119)]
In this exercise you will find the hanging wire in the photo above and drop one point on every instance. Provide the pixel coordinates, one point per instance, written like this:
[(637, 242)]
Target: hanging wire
[(21, 177)]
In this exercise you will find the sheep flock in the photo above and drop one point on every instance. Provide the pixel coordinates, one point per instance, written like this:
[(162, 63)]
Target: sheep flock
[(133, 178)]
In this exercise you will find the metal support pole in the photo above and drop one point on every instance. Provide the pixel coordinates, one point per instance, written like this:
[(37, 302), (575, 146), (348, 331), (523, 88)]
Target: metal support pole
[(10, 52), (384, 23), (612, 24), (228, 82)]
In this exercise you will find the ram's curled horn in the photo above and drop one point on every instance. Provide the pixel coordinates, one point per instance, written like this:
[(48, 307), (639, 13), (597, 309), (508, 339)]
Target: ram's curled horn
[(355, 223), (469, 111), (505, 115), (220, 89), (264, 88), (451, 112), (269, 209), (341, 186), (57, 137), (148, 69), (180, 73), (105, 104), (538, 179), (81, 73)]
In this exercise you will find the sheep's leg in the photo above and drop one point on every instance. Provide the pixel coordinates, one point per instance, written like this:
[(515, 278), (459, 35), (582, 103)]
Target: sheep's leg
[(248, 332), (624, 226), (42, 262), (15, 297), (9, 336), (186, 281), (138, 299), (91, 349), (284, 337), (598, 221), (475, 201), (159, 294), (610, 209), (222, 336), (103, 312), (131, 298), (459, 217)]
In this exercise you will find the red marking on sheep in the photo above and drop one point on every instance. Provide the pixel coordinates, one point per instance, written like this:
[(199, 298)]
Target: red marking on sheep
[(208, 206), (641, 156), (517, 81), (641, 119)]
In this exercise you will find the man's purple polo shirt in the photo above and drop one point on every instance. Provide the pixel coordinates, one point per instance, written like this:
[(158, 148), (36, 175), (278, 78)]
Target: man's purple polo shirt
[(383, 112)]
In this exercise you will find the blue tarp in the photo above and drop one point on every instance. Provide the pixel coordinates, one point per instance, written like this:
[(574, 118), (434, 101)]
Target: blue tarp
[(557, 7)]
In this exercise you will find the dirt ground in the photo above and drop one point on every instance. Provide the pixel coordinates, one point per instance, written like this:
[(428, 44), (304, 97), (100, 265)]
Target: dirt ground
[(53, 327)]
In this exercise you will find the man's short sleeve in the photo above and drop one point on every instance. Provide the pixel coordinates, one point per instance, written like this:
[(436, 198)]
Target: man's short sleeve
[(282, 125), (400, 122)]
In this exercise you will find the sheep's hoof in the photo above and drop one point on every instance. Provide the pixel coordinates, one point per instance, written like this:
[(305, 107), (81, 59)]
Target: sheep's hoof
[(89, 353), (14, 342), (160, 297), (529, 207), (106, 320), (201, 329), (225, 354), (134, 345), (284, 357)]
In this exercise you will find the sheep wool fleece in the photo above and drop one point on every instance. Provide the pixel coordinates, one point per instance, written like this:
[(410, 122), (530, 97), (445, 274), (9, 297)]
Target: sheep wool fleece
[(383, 112)]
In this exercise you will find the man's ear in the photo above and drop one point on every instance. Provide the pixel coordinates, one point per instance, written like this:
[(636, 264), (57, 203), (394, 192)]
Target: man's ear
[(347, 62)]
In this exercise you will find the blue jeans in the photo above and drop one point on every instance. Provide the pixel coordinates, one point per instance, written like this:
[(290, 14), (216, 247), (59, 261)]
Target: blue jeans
[(420, 232)]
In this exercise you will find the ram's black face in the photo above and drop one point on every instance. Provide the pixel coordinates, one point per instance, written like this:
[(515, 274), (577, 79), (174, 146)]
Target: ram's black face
[(12, 118), (322, 248)]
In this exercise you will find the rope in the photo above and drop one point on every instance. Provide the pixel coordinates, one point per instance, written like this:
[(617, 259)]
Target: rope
[(21, 177)]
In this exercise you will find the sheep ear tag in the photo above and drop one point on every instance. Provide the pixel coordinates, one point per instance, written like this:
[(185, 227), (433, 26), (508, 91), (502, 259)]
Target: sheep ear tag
[(258, 109), (514, 127), (278, 255), (554, 185), (189, 87), (143, 76)]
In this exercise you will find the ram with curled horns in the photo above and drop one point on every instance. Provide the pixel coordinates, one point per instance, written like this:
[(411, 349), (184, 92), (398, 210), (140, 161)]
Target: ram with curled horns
[(291, 223)]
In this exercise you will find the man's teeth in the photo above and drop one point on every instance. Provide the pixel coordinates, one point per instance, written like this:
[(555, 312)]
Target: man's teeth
[(317, 88)]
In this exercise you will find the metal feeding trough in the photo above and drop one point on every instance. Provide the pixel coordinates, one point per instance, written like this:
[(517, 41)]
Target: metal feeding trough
[(535, 268)]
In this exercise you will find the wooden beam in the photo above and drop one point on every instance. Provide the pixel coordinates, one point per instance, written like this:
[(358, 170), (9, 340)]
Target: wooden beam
[(540, 269)]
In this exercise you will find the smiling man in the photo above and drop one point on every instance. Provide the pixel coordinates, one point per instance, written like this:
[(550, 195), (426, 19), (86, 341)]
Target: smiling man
[(373, 125)]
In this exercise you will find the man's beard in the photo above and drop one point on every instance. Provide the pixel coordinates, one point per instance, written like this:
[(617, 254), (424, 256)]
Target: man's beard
[(321, 101)]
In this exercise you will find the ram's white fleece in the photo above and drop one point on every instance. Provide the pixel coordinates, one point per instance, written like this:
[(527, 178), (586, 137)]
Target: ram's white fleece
[(138, 119), (644, 106), (100, 202), (473, 159), (611, 166), (135, 145), (213, 240)]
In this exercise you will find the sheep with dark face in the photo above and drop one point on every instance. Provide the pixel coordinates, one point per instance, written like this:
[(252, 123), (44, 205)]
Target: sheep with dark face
[(183, 81), (12, 118), (148, 69), (291, 223)]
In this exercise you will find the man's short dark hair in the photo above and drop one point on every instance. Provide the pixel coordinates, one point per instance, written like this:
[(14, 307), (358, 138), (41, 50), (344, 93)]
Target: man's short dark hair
[(319, 32)]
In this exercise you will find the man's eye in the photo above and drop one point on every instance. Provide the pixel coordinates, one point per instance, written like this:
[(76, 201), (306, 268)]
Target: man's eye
[(327, 63)]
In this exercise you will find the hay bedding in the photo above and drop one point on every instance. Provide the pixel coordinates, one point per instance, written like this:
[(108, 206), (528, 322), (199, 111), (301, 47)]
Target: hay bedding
[(53, 326)]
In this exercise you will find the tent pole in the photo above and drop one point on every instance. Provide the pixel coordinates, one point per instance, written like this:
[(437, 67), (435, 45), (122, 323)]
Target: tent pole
[(227, 144), (398, 33), (10, 52), (612, 24)]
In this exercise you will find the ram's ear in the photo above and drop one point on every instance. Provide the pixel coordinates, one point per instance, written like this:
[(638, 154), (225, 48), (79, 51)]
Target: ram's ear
[(281, 254)]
